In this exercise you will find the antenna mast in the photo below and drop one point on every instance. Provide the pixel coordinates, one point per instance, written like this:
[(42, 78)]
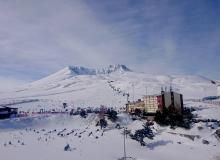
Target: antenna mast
[(124, 144), (133, 90)]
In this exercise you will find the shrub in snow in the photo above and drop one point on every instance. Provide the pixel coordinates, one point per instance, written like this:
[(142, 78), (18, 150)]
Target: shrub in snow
[(118, 126), (205, 141), (64, 105), (200, 127), (102, 123), (142, 133), (90, 134), (83, 113), (67, 148), (170, 116), (217, 134), (112, 115)]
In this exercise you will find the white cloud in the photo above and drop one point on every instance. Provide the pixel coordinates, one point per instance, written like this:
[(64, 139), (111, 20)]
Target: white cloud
[(50, 34), (40, 37)]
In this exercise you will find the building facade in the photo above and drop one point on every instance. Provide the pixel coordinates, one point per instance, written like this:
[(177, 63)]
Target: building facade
[(151, 103), (172, 99), (132, 106)]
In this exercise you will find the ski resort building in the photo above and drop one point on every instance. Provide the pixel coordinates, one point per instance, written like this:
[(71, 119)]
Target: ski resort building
[(172, 99), (132, 106), (152, 103), (7, 112)]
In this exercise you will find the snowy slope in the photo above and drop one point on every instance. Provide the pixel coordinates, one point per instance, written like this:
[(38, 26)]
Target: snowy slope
[(37, 136), (93, 87)]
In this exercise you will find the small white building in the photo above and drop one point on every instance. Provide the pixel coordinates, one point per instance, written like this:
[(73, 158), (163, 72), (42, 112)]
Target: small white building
[(218, 90)]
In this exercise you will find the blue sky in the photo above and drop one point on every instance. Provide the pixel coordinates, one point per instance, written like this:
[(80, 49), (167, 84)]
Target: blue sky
[(162, 37)]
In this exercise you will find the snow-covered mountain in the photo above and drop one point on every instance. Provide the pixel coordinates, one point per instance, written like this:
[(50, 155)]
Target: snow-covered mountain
[(72, 71), (79, 70), (48, 134), (108, 86)]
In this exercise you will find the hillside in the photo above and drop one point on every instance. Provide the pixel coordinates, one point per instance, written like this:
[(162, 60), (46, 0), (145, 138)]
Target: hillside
[(107, 86), (47, 135)]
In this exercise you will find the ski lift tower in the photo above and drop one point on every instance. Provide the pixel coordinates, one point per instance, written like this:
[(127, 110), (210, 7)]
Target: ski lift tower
[(125, 157)]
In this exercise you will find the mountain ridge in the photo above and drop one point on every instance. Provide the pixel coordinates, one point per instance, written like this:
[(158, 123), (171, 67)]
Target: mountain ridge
[(80, 70)]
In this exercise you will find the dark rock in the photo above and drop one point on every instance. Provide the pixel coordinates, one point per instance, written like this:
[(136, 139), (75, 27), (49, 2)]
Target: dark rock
[(217, 134), (205, 141), (200, 127), (90, 134), (67, 148)]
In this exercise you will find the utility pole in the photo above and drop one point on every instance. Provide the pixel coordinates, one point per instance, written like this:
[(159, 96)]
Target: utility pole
[(128, 94), (133, 90), (124, 145), (125, 136), (171, 89)]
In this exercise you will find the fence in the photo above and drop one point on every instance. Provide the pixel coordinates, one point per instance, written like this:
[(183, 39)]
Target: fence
[(217, 103)]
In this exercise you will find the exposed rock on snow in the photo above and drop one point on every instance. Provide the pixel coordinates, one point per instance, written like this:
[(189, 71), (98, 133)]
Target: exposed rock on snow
[(217, 133), (67, 148), (205, 141)]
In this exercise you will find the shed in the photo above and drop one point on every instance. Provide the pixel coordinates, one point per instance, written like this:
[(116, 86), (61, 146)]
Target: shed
[(8, 112)]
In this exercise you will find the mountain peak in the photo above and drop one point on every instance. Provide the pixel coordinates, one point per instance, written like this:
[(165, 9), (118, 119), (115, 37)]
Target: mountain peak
[(120, 67), (114, 68), (79, 70)]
